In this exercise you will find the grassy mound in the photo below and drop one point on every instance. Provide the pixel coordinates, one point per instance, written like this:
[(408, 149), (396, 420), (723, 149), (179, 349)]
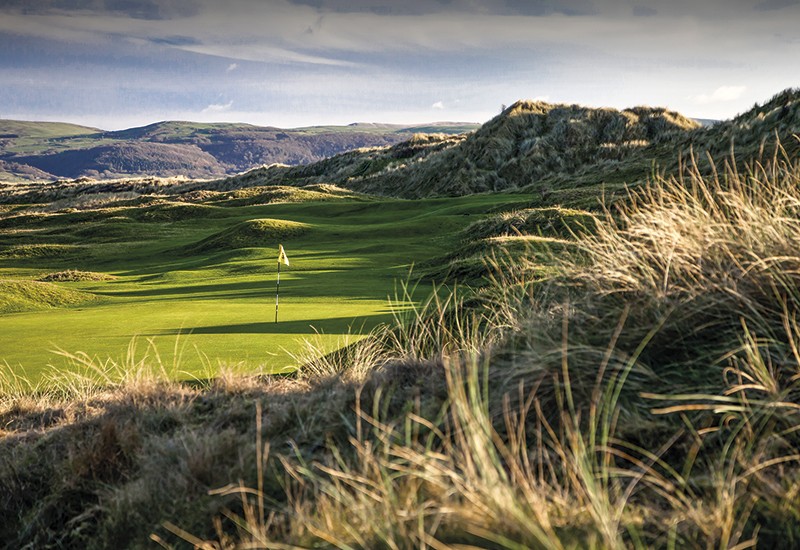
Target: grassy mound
[(554, 222), (252, 233), (532, 232), (171, 212), (74, 275), (17, 296), (115, 228)]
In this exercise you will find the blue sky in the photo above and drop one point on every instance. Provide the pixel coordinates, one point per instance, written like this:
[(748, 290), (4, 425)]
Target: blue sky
[(121, 63)]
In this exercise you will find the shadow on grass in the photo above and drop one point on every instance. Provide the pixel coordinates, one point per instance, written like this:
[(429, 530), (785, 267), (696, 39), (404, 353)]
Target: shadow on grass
[(333, 325), (332, 284)]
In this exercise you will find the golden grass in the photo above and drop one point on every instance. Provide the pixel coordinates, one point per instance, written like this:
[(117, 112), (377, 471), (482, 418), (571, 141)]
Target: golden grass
[(536, 444)]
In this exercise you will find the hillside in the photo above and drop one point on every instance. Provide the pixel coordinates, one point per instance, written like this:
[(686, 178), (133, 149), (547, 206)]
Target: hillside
[(533, 145), (555, 152), (120, 159), (546, 148), (755, 129), (19, 133), (41, 151)]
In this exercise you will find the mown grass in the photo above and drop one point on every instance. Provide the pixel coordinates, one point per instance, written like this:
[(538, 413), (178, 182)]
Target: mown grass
[(644, 395), (205, 274)]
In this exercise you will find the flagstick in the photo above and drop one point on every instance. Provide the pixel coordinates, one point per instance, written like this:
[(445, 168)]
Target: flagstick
[(277, 289)]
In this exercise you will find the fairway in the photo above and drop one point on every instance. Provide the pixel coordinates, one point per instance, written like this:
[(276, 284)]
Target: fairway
[(198, 281)]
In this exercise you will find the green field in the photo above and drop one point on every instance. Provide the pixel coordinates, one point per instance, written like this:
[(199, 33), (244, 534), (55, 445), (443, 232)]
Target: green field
[(199, 280)]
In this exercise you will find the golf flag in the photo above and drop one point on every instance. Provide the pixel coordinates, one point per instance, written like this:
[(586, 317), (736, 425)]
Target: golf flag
[(282, 257)]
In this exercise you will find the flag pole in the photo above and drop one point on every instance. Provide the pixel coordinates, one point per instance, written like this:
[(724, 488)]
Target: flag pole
[(277, 289), (282, 258)]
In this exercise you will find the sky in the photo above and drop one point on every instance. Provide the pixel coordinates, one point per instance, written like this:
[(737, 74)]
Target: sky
[(115, 64)]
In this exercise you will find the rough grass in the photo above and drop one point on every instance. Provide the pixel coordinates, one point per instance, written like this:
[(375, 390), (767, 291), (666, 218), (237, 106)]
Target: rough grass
[(530, 232), (16, 296), (258, 232), (646, 396), (553, 437), (260, 195), (72, 275), (554, 222), (34, 251), (171, 212)]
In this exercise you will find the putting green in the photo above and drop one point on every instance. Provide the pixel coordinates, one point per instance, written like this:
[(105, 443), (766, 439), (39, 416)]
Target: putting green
[(207, 334)]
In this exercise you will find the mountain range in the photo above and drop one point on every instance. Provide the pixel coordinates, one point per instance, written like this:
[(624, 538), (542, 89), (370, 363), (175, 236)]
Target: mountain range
[(50, 151)]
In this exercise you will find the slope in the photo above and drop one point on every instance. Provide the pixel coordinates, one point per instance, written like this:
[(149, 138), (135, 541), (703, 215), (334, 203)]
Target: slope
[(546, 149), (33, 150)]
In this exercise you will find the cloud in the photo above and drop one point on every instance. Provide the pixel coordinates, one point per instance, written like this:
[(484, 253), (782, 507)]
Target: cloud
[(543, 8), (151, 10), (262, 53), (644, 11), (218, 107), (771, 5), (402, 56), (175, 40), (345, 33), (721, 94)]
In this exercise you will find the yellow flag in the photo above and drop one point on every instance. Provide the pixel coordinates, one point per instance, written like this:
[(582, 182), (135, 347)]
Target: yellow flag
[(282, 257)]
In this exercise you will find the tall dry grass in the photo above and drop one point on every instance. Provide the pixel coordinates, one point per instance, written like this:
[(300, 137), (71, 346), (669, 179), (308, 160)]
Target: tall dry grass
[(551, 435)]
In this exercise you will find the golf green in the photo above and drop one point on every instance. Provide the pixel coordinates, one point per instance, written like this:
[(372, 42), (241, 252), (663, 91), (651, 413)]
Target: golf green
[(201, 288)]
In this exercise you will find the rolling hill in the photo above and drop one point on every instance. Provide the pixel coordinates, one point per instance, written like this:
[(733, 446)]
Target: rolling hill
[(548, 150), (47, 151), (545, 148)]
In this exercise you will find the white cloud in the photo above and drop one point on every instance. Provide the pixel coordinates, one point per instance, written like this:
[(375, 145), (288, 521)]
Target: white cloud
[(398, 63), (276, 31), (721, 94), (261, 53), (218, 107)]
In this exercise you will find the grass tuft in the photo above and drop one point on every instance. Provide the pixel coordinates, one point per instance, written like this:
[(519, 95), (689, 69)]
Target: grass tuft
[(73, 275)]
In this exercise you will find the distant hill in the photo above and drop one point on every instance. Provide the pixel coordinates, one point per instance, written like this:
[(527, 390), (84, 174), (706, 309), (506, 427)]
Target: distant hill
[(121, 159), (45, 150), (544, 147), (528, 142), (556, 152), (21, 131)]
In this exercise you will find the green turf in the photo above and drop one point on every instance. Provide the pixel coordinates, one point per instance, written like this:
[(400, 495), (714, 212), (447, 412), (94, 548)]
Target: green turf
[(202, 279)]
